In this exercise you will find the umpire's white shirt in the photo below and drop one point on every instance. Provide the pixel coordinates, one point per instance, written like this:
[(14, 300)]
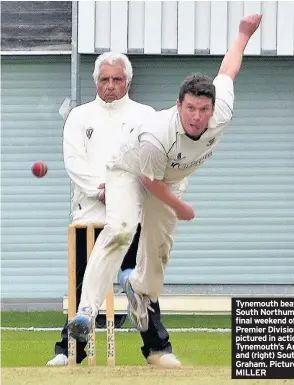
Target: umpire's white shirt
[(161, 150), (92, 132)]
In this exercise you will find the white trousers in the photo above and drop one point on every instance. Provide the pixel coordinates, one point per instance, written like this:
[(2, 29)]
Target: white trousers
[(127, 205)]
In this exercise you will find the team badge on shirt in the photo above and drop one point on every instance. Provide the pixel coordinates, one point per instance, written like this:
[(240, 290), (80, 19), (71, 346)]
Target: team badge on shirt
[(89, 132), (180, 157)]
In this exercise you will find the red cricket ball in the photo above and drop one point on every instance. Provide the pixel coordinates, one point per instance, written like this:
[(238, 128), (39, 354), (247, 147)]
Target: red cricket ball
[(39, 169)]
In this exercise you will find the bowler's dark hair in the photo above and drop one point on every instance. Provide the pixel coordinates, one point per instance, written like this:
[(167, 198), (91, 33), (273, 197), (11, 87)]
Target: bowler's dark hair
[(197, 85)]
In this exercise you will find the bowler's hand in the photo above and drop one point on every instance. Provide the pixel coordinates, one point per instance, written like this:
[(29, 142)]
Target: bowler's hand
[(249, 24), (185, 212), (101, 194)]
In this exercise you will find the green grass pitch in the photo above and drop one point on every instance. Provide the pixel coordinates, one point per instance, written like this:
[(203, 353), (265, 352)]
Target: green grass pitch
[(27, 348)]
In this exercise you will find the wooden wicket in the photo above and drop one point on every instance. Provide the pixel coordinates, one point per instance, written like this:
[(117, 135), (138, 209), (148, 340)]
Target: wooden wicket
[(90, 229)]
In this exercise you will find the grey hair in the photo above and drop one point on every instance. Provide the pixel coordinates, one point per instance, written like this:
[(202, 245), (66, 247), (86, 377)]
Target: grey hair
[(111, 58)]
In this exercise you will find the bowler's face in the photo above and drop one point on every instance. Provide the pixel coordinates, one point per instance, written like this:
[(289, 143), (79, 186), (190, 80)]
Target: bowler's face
[(195, 112), (112, 82)]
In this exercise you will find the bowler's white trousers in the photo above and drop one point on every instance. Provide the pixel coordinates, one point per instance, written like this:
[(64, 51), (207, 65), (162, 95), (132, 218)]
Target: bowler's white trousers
[(128, 204)]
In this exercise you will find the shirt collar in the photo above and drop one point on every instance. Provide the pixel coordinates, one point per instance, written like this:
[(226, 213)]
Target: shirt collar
[(113, 105), (179, 125)]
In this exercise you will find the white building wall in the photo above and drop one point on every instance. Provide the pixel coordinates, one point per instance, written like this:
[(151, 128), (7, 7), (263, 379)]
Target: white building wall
[(183, 27)]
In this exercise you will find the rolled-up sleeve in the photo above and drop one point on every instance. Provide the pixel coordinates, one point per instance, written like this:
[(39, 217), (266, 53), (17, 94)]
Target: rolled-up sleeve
[(224, 102), (153, 160)]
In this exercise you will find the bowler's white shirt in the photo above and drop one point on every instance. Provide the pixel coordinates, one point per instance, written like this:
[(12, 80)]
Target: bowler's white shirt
[(160, 148)]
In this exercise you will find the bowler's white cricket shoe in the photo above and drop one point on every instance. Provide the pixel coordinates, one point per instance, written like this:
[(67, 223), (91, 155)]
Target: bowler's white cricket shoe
[(138, 304), (164, 360), (58, 360)]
